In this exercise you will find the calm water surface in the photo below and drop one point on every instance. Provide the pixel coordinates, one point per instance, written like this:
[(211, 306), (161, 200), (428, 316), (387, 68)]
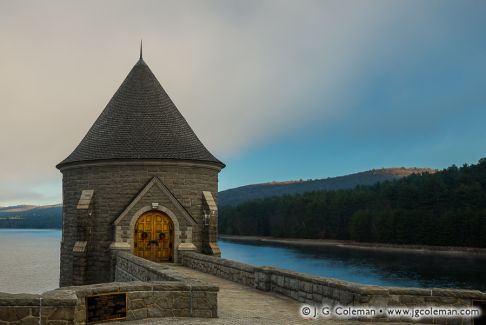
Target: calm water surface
[(29, 262), (366, 266)]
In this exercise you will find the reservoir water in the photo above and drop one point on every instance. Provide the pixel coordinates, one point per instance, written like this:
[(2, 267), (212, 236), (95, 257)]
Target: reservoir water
[(29, 262), (421, 270)]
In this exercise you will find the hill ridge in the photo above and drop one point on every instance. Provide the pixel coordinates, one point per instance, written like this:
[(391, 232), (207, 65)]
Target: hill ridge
[(248, 192), (49, 216)]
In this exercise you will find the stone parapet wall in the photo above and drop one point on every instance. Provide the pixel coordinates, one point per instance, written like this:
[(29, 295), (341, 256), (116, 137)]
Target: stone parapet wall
[(132, 268), (231, 270), (153, 290), (155, 299), (53, 307), (314, 290), (202, 298), (318, 290), (67, 306)]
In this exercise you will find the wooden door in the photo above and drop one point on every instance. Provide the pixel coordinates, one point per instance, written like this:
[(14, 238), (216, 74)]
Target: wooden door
[(153, 238)]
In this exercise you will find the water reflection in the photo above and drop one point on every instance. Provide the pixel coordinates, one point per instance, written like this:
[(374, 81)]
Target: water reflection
[(366, 266)]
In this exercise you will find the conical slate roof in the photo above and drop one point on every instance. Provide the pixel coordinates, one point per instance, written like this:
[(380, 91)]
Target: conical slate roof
[(140, 122)]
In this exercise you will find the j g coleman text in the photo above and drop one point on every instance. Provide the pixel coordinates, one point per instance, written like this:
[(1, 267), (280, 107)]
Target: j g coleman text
[(417, 312)]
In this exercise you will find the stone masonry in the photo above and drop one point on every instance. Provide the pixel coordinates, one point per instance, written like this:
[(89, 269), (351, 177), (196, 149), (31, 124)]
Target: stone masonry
[(115, 186), (318, 291), (153, 291), (140, 155), (67, 306)]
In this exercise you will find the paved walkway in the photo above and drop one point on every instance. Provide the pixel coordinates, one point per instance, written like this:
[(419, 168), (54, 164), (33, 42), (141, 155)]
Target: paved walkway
[(238, 304)]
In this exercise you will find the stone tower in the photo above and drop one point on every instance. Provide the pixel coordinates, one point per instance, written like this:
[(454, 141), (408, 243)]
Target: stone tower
[(140, 181)]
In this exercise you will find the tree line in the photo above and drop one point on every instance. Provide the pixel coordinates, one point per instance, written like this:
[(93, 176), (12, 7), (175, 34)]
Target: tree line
[(445, 208)]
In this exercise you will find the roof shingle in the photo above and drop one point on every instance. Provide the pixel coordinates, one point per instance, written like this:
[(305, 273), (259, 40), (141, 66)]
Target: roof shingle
[(140, 122)]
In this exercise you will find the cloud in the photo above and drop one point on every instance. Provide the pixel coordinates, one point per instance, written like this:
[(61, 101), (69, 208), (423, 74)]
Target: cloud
[(241, 72), (30, 191)]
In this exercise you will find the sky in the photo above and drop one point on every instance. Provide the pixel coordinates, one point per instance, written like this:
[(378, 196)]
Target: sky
[(276, 89)]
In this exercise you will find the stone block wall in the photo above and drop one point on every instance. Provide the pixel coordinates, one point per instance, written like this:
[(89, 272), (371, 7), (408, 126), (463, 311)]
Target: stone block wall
[(50, 308), (133, 268), (318, 291), (153, 290), (231, 270), (115, 185), (67, 306), (202, 297), (154, 299)]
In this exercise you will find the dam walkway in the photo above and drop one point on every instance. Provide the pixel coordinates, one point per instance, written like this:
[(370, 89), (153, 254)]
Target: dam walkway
[(239, 304)]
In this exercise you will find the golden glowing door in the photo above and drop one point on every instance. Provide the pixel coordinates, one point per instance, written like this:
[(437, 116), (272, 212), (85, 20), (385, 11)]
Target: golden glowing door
[(153, 238)]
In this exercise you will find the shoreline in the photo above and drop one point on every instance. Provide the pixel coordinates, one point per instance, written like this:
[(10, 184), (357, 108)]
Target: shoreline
[(417, 249)]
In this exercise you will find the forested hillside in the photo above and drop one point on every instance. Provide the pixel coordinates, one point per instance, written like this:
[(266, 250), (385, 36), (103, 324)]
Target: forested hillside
[(28, 216), (241, 194), (445, 208)]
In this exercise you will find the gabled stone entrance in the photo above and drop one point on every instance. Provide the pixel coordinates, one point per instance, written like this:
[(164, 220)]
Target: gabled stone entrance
[(154, 197)]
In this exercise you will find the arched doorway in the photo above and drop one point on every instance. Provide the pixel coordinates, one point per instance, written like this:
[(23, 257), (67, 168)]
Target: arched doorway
[(154, 239)]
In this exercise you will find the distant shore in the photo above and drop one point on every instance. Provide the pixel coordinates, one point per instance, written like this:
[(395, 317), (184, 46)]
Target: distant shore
[(417, 249)]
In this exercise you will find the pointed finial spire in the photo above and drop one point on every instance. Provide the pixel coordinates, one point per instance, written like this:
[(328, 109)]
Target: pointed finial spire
[(141, 49)]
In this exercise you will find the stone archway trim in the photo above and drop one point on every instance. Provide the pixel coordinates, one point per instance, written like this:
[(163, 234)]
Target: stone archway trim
[(156, 182)]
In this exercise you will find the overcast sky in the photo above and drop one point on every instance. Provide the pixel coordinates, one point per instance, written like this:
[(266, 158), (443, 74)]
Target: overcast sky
[(277, 90)]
